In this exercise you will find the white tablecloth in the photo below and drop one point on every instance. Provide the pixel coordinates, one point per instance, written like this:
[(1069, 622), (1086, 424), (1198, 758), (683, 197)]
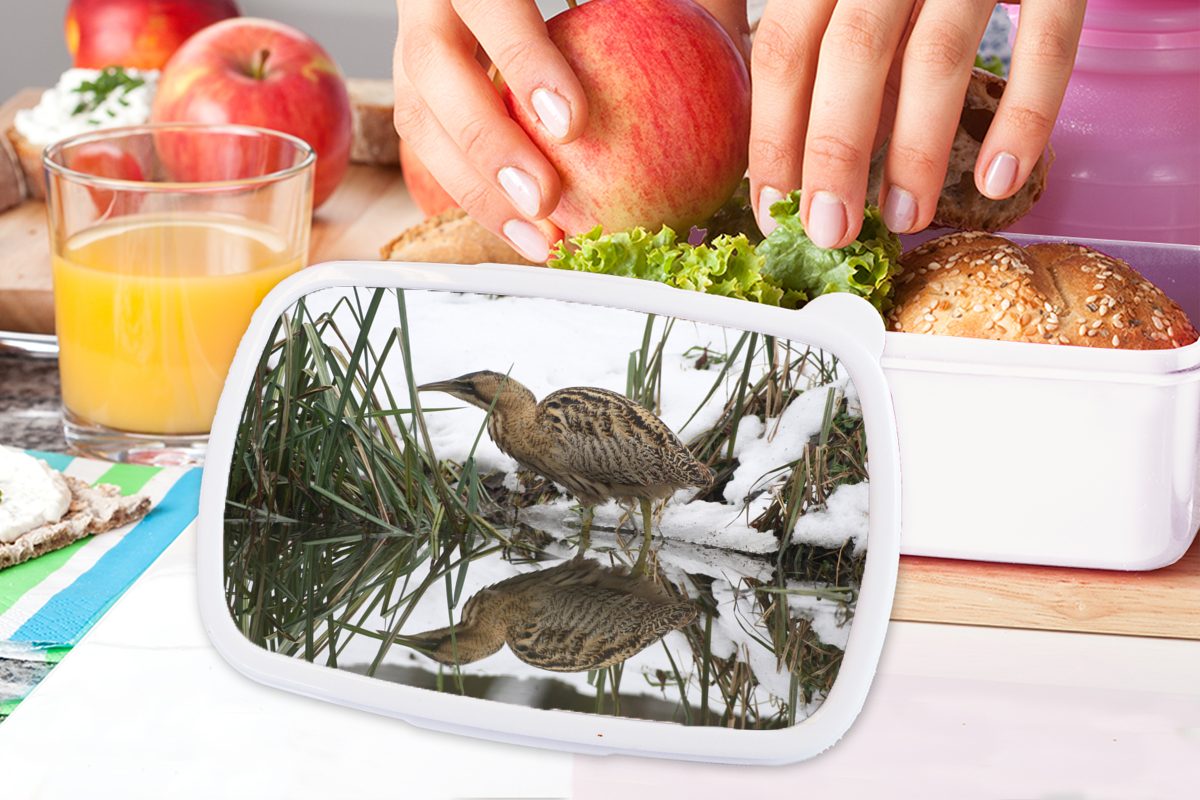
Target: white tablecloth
[(144, 707)]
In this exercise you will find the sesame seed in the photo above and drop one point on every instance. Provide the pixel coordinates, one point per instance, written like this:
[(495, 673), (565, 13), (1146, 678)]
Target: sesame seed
[(927, 327), (1158, 323), (1097, 323), (1063, 339), (1116, 340), (930, 318), (1005, 304), (1092, 332)]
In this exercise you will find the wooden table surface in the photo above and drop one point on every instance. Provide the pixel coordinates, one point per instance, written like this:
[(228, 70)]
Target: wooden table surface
[(371, 207)]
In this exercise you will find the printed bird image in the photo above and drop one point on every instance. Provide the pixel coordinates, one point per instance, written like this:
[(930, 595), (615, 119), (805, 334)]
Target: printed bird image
[(599, 444), (579, 615)]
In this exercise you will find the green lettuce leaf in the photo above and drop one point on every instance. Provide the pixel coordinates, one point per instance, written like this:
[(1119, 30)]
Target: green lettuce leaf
[(786, 269), (726, 266), (864, 267)]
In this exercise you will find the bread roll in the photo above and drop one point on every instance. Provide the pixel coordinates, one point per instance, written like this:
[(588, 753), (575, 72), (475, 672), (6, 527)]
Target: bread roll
[(12, 177), (451, 238), (29, 155), (960, 205), (375, 140), (982, 286)]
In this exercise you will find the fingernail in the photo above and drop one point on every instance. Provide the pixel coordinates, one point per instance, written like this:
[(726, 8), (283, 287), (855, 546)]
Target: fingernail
[(553, 111), (767, 197), (522, 189), (1001, 175), (899, 210), (826, 219), (528, 240)]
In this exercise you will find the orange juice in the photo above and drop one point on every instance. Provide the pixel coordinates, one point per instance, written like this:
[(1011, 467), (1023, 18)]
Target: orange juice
[(149, 313)]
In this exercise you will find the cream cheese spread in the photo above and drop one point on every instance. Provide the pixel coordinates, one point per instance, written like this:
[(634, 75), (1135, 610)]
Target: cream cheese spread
[(87, 100), (31, 494)]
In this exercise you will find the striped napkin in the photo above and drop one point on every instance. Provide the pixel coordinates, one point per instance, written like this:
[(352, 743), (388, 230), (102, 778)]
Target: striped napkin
[(48, 603)]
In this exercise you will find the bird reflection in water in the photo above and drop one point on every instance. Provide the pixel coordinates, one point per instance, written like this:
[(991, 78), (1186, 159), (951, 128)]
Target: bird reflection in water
[(596, 443), (579, 615)]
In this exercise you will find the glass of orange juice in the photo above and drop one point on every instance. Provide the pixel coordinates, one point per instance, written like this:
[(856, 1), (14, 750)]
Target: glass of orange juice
[(164, 238)]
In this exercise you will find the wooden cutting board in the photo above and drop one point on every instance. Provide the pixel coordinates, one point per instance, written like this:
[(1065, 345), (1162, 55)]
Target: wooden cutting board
[(372, 206), (368, 210), (1163, 602)]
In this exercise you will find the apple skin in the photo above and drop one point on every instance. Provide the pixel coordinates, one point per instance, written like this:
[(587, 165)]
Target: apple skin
[(107, 160), (142, 34), (668, 124), (426, 192), (216, 78)]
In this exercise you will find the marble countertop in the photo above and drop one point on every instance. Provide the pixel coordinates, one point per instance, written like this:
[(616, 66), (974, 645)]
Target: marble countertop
[(30, 416)]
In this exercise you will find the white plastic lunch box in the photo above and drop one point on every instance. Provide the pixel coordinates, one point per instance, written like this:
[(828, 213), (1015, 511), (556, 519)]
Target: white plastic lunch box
[(1052, 455)]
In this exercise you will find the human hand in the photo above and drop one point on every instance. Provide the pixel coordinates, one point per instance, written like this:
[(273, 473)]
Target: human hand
[(833, 78), (449, 112)]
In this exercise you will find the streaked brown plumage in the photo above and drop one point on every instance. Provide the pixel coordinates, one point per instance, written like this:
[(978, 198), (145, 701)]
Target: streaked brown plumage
[(596, 443), (576, 616)]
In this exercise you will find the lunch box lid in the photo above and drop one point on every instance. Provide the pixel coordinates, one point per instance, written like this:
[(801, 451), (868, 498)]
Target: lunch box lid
[(841, 324)]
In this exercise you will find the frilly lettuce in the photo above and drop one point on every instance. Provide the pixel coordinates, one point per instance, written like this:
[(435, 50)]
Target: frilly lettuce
[(864, 267), (786, 269)]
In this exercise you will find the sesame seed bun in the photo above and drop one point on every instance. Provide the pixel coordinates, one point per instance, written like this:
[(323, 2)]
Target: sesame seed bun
[(982, 286)]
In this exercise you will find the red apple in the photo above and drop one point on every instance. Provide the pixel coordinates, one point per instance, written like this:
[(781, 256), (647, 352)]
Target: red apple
[(107, 160), (428, 194), (137, 33), (263, 73), (668, 115)]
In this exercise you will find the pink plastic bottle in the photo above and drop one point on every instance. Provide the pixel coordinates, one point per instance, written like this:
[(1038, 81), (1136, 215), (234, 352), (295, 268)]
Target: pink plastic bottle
[(1127, 142)]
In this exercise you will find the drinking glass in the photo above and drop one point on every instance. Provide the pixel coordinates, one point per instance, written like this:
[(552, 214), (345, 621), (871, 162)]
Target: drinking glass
[(164, 238)]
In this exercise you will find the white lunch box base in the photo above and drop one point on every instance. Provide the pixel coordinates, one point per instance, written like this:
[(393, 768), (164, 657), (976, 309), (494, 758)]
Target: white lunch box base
[(1064, 456)]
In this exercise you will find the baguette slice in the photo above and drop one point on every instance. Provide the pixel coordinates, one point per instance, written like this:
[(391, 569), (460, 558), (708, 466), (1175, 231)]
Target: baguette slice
[(29, 155), (375, 139), (93, 510), (451, 238), (960, 205), (12, 176)]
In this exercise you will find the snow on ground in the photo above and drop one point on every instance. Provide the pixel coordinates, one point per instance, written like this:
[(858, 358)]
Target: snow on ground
[(828, 617), (843, 518), (762, 449), (548, 345)]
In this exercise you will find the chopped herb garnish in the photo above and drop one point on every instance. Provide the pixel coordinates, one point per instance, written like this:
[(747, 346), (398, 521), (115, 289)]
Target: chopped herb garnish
[(112, 79)]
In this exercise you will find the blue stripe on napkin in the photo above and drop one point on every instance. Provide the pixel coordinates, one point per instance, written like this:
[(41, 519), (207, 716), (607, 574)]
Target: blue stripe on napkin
[(66, 616)]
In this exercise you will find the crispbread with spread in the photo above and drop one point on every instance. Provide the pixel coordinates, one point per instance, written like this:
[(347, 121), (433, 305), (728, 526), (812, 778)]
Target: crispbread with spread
[(93, 510)]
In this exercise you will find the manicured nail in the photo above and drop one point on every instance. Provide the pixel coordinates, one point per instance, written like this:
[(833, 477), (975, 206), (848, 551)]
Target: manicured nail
[(826, 219), (553, 111), (522, 189), (528, 240), (1001, 175), (767, 197), (899, 210)]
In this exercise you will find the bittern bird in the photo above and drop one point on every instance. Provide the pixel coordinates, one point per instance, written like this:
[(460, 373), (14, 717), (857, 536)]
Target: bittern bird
[(596, 443), (576, 616)]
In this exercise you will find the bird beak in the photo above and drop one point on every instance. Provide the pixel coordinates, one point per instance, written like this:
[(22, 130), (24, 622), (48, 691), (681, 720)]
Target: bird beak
[(449, 387)]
